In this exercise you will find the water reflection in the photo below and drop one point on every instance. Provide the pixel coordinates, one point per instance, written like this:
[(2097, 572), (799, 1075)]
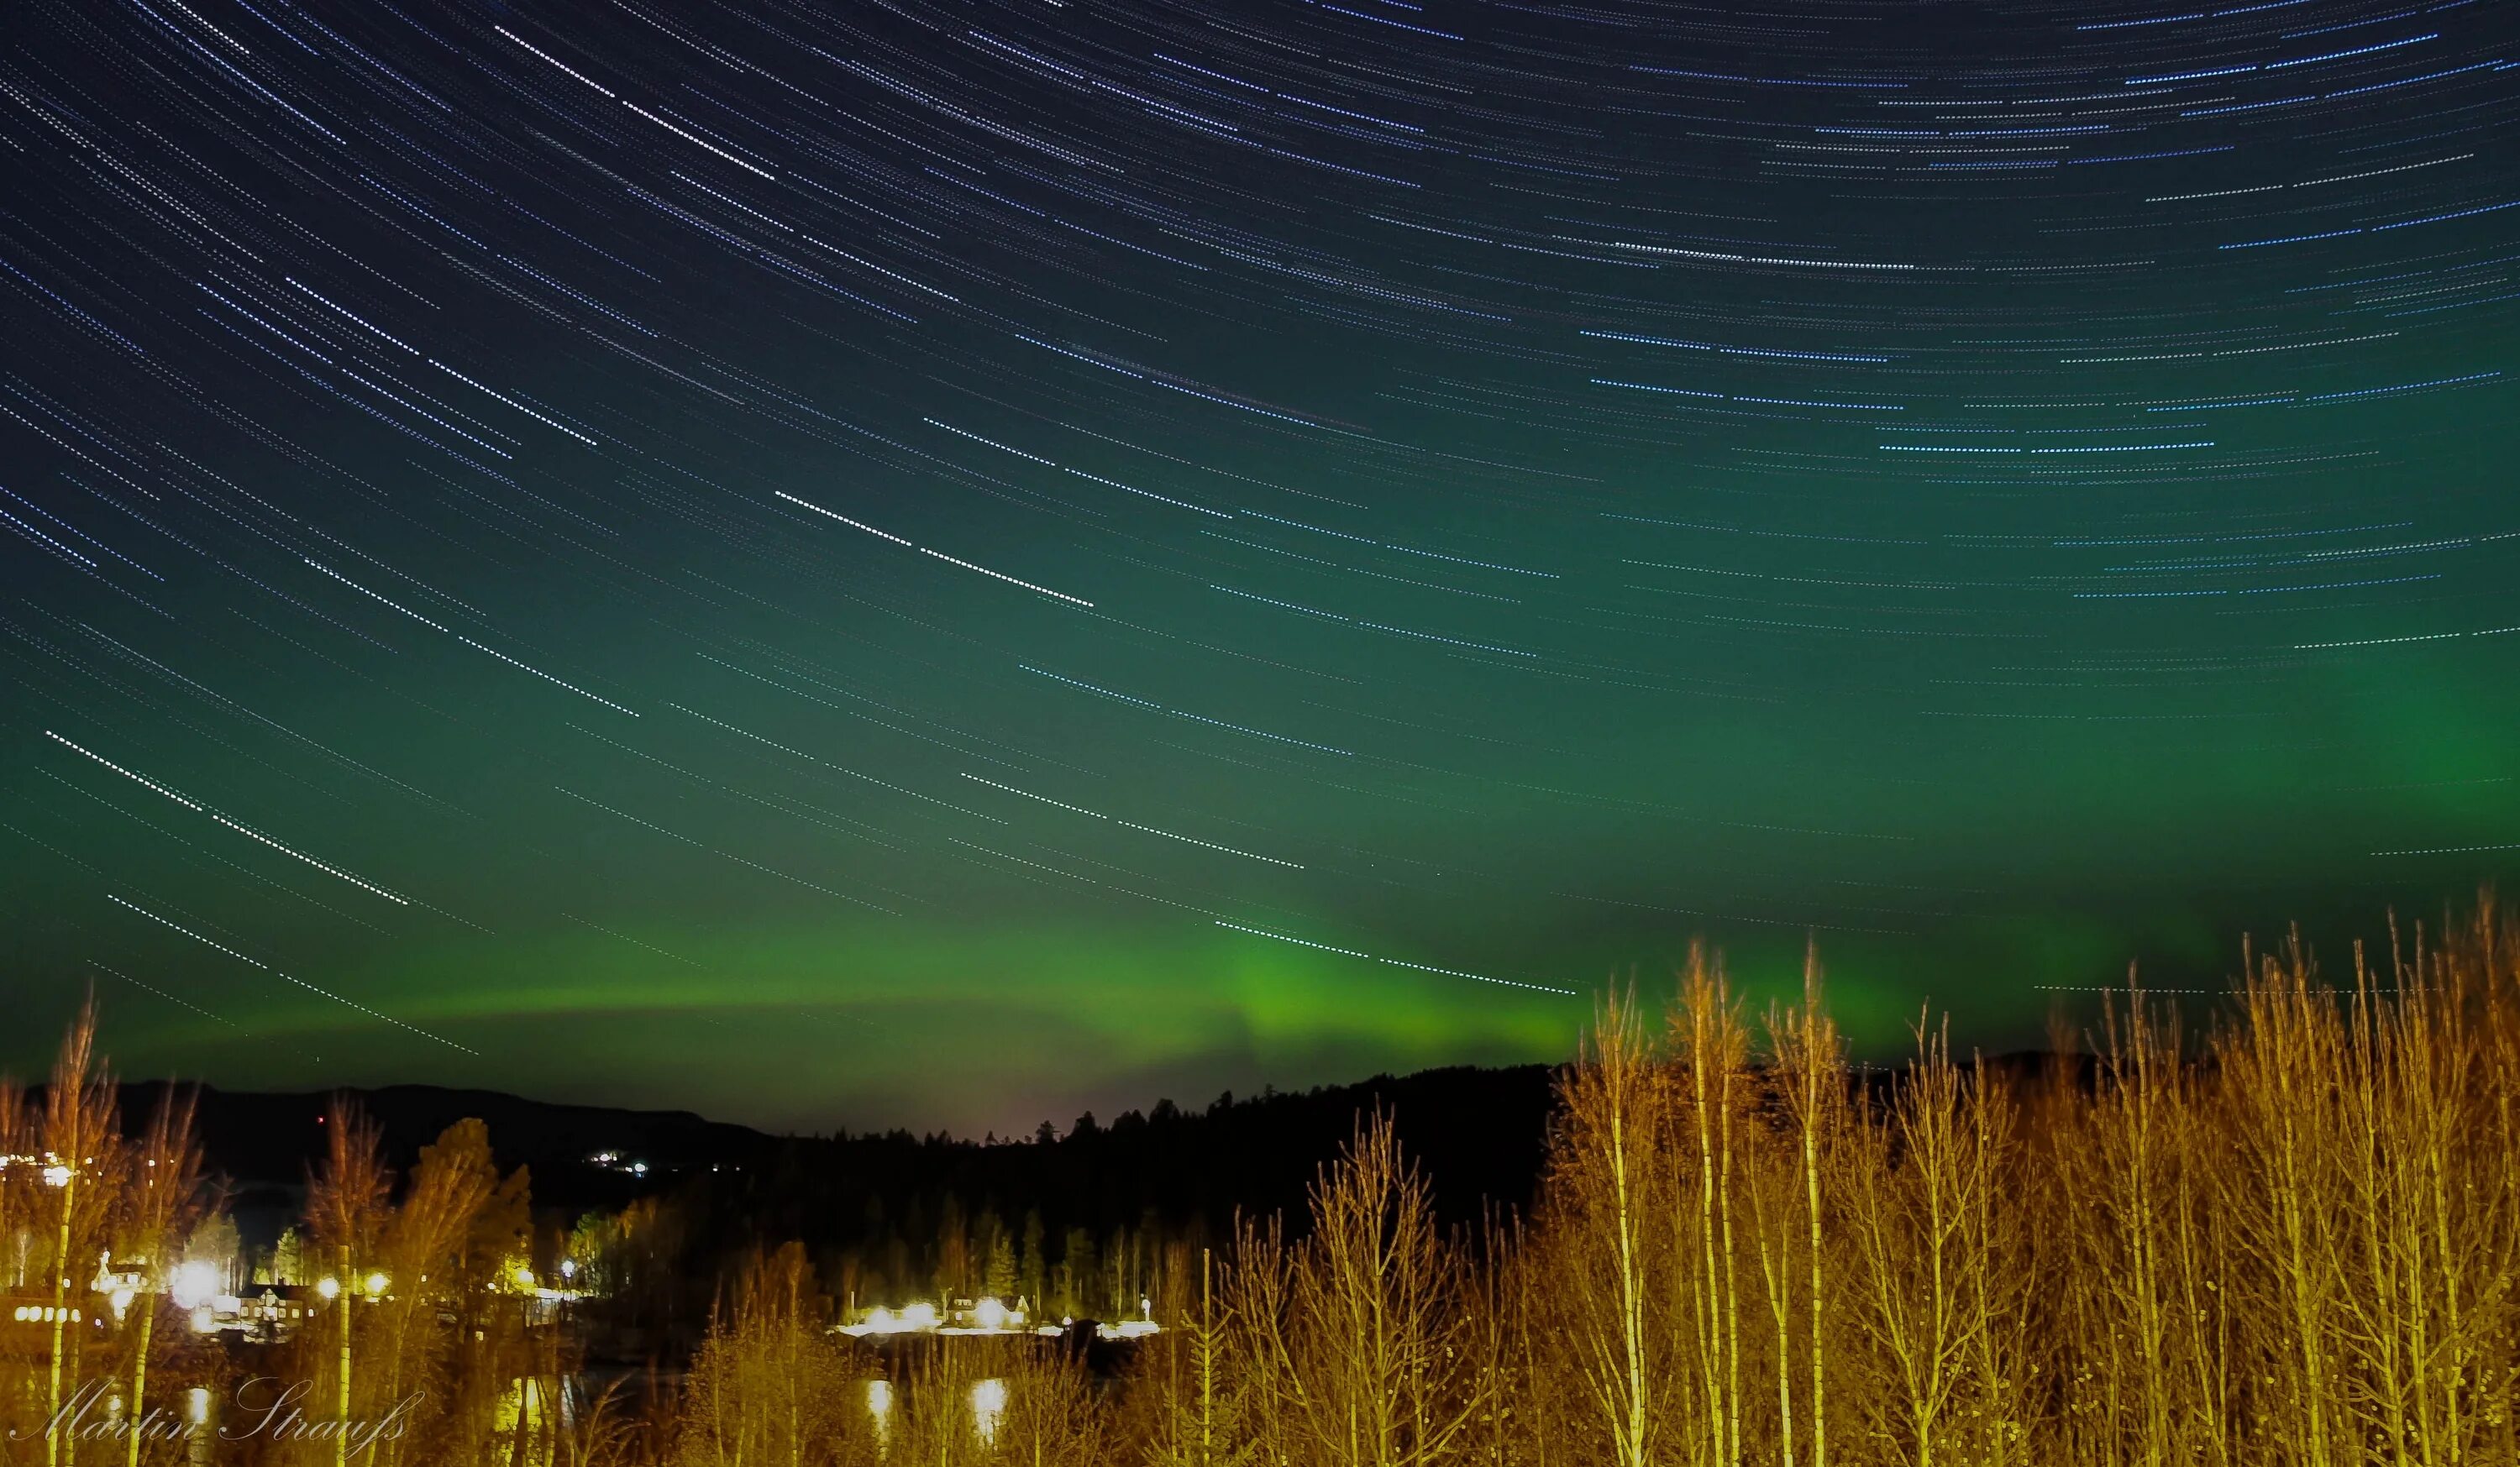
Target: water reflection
[(879, 1406), (988, 1408)]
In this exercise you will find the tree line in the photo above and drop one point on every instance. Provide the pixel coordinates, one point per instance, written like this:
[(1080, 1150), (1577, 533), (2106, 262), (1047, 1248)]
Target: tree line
[(2287, 1232)]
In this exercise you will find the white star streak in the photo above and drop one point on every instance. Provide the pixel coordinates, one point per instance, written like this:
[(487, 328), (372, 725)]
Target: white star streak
[(300, 982), (1538, 988), (726, 854), (539, 673), (1134, 825), (245, 831), (1075, 601), (119, 769), (309, 860)]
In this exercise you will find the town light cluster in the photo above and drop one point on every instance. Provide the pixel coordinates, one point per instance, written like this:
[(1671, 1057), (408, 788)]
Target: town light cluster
[(985, 1317)]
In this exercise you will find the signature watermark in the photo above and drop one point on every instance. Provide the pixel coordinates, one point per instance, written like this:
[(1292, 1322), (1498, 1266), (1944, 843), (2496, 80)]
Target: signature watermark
[(265, 1406)]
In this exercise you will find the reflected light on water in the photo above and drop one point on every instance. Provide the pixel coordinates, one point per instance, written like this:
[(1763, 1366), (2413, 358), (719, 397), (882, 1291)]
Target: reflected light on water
[(988, 1408), (878, 1401)]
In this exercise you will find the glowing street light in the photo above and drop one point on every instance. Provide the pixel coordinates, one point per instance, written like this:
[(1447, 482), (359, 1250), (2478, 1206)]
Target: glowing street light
[(327, 1288), (193, 1284)]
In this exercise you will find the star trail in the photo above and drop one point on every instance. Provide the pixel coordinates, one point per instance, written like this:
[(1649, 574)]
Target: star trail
[(907, 561)]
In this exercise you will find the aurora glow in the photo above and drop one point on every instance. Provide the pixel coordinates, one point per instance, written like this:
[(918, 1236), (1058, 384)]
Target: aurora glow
[(945, 564)]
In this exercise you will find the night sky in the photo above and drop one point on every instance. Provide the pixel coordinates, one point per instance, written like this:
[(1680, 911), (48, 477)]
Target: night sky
[(944, 564)]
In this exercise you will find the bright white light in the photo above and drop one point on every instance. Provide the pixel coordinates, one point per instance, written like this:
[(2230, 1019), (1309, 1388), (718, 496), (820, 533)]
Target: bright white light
[(57, 1176), (196, 1406), (193, 1283), (378, 1283), (329, 1288), (121, 1300), (988, 1408), (525, 1276), (568, 1267), (206, 1320), (908, 1319), (879, 1406), (988, 1314)]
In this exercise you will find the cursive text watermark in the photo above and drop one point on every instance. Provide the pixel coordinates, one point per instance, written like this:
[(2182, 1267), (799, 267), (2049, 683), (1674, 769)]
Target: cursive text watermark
[(264, 1406)]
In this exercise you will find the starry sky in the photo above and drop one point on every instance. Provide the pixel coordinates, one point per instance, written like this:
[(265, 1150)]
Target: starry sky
[(939, 564)]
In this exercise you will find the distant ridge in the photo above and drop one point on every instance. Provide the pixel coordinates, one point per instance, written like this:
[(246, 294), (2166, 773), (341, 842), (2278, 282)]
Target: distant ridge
[(259, 1140), (1479, 1133)]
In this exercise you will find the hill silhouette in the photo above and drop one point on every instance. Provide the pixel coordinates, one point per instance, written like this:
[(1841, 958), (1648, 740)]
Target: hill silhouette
[(1479, 1133)]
